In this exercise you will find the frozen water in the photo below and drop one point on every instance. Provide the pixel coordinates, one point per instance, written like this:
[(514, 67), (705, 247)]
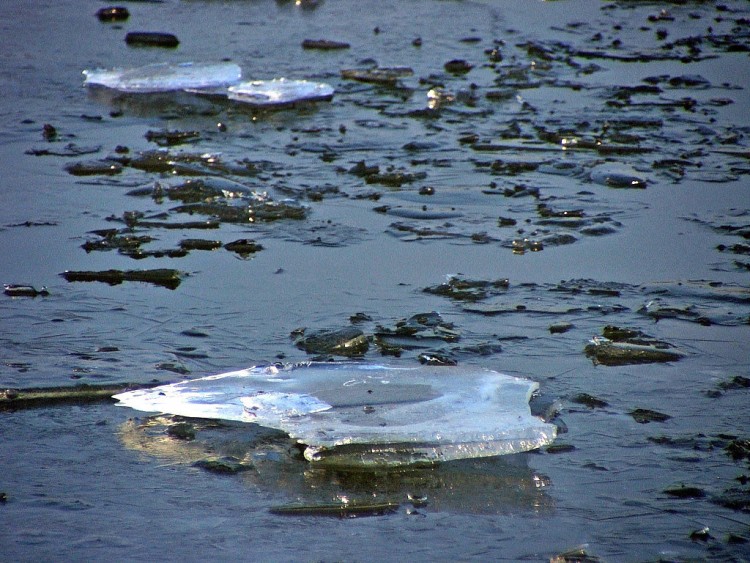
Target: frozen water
[(214, 78), (367, 415), (165, 77), (273, 407), (280, 92)]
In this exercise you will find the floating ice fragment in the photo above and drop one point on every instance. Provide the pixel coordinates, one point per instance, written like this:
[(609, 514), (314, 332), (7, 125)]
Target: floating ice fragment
[(617, 177), (165, 77), (280, 92), (367, 415)]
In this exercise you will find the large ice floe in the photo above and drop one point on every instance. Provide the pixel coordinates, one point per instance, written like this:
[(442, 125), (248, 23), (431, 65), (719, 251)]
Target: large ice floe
[(165, 77), (362, 415)]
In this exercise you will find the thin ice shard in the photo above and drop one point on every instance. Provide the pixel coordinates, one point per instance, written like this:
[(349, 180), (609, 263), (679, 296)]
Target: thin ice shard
[(280, 92), (165, 77), (367, 415)]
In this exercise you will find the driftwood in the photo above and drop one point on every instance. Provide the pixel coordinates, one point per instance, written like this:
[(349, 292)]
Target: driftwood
[(341, 510), (13, 399)]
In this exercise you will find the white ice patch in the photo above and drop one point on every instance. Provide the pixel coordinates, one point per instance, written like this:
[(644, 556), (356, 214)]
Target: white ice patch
[(354, 414), (165, 77), (279, 92), (269, 405)]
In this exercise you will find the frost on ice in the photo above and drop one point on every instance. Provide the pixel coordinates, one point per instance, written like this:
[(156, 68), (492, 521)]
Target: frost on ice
[(165, 77), (367, 415)]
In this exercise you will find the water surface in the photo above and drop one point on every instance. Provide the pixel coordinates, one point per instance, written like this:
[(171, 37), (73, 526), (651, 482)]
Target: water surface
[(657, 96)]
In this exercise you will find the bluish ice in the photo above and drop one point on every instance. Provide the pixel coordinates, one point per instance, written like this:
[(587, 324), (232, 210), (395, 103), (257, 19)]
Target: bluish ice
[(222, 79), (350, 414), (165, 77), (279, 92)]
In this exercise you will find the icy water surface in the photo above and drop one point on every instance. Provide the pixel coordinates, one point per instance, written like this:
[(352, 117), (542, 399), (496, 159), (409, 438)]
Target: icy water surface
[(493, 184)]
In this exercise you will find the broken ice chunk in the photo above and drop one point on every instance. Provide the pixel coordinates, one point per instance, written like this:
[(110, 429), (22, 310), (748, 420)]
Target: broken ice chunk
[(165, 77), (367, 415), (280, 92)]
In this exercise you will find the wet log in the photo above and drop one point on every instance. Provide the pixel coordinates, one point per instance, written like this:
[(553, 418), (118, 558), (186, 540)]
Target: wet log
[(162, 276), (36, 397), (342, 510)]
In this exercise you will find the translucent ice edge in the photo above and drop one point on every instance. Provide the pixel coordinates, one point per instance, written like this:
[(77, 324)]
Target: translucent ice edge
[(360, 415), (279, 92), (165, 77)]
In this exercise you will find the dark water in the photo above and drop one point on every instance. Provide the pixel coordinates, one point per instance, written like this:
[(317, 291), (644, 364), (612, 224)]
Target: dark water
[(657, 96)]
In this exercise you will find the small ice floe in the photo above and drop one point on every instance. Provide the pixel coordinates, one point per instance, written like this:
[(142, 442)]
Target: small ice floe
[(362, 415), (280, 92), (165, 77), (618, 177)]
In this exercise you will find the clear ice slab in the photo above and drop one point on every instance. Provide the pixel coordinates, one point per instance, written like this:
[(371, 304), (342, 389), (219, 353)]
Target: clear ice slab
[(279, 92), (359, 415), (165, 77)]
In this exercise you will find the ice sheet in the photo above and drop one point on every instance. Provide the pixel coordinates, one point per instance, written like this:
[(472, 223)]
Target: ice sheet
[(165, 77), (365, 415), (280, 92)]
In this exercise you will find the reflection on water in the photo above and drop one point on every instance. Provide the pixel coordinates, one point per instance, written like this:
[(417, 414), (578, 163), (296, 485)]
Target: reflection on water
[(156, 104), (494, 485)]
